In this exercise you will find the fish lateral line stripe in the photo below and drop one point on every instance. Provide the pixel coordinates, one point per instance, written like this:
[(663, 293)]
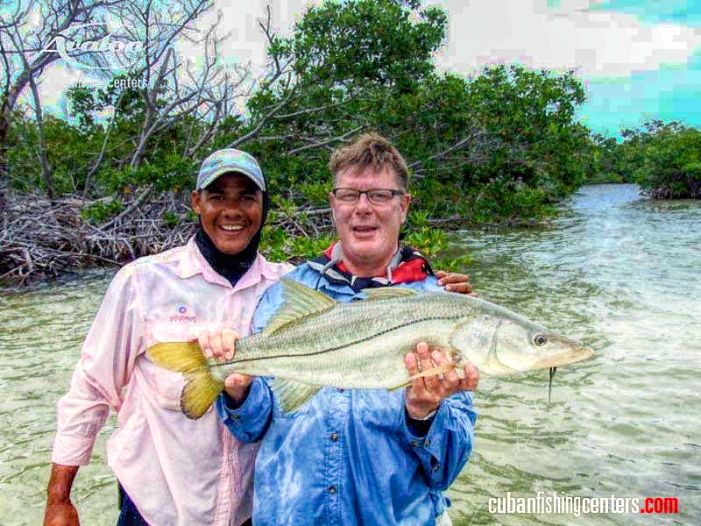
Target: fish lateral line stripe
[(324, 351)]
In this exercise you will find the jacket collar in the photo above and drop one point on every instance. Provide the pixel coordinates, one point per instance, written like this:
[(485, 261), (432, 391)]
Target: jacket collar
[(406, 265)]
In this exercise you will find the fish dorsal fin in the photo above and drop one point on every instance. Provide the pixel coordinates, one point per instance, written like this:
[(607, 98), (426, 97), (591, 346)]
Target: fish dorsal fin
[(299, 301), (385, 293), (290, 394)]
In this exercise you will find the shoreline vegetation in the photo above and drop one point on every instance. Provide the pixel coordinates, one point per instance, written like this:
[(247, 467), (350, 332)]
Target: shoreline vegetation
[(664, 158), (106, 179), (45, 239)]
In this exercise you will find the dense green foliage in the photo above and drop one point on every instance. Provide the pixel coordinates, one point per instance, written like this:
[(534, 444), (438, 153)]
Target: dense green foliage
[(671, 160), (663, 158), (502, 145)]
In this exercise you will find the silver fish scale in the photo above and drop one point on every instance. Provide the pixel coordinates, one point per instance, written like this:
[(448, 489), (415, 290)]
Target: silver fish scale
[(356, 344)]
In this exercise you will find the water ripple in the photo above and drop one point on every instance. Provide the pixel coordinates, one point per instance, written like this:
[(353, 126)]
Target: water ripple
[(620, 273)]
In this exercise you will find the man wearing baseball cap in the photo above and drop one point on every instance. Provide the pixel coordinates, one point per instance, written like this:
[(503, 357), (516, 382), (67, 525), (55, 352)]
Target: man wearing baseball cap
[(171, 470)]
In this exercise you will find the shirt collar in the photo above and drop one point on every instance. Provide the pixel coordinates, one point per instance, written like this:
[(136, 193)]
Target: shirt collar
[(193, 262)]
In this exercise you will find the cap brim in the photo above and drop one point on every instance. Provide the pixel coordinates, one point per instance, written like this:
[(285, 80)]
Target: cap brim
[(226, 170)]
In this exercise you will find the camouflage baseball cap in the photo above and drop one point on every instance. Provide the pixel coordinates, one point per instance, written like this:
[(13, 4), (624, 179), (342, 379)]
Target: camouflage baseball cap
[(226, 161)]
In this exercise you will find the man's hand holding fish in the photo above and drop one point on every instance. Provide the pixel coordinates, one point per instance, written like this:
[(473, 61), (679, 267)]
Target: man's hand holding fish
[(221, 346), (425, 394)]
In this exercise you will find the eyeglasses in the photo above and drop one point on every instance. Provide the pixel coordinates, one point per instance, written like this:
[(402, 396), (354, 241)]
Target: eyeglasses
[(377, 196)]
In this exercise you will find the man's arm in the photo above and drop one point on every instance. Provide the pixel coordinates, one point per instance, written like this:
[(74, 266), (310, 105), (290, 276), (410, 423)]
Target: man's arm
[(105, 365), (247, 417), (446, 447), (443, 442), (60, 510)]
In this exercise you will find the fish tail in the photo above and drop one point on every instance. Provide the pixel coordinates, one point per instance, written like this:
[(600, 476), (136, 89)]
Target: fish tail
[(199, 393), (201, 388)]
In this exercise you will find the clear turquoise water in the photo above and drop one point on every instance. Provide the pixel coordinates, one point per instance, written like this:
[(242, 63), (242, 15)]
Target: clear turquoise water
[(615, 270)]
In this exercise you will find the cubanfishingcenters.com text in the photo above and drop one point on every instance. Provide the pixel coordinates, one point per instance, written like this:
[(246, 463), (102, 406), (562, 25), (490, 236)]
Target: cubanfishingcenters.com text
[(553, 503)]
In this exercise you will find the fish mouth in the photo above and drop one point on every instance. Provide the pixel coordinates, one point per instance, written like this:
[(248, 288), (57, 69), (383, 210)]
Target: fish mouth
[(578, 355)]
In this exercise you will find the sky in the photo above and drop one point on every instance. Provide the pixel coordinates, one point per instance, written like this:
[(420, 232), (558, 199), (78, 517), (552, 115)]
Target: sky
[(638, 59)]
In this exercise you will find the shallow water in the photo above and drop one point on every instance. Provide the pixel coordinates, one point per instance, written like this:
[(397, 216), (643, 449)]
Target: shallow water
[(622, 274), (40, 337), (615, 270)]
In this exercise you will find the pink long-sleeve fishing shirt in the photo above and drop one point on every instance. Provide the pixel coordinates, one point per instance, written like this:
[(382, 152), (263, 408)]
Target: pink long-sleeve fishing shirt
[(176, 470)]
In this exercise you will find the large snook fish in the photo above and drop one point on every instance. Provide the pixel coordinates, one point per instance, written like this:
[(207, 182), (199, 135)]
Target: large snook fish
[(315, 341)]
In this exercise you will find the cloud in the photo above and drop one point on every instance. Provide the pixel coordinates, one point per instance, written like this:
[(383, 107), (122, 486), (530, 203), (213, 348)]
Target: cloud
[(569, 35), (575, 34)]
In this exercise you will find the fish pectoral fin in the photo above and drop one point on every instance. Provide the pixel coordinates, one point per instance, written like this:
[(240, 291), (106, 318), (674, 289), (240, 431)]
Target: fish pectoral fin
[(291, 394), (300, 301), (385, 293), (400, 386), (434, 371)]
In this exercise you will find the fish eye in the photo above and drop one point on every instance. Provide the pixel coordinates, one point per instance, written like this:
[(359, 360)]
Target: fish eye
[(540, 339)]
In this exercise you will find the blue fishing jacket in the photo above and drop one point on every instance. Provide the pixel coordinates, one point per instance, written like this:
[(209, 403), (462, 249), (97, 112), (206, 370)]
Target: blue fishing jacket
[(348, 457)]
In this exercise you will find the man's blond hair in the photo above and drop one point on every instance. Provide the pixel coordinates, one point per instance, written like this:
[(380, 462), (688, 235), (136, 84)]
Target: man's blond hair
[(370, 150)]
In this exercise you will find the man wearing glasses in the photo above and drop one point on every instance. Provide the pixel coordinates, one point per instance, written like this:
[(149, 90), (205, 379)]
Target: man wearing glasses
[(359, 456)]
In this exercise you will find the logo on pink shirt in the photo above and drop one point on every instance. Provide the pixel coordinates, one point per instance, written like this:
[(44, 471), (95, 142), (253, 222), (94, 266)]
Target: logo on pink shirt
[(182, 315)]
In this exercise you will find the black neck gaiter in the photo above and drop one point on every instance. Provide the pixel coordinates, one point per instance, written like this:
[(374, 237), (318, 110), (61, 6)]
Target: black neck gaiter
[(231, 266)]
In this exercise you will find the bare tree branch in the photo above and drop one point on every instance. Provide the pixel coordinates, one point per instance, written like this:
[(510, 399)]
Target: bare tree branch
[(476, 141), (204, 92), (101, 156), (325, 142), (255, 131), (137, 202)]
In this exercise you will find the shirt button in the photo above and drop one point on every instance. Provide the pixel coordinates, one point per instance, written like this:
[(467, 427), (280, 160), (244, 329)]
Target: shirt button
[(334, 437), (414, 443), (427, 442), (332, 490)]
